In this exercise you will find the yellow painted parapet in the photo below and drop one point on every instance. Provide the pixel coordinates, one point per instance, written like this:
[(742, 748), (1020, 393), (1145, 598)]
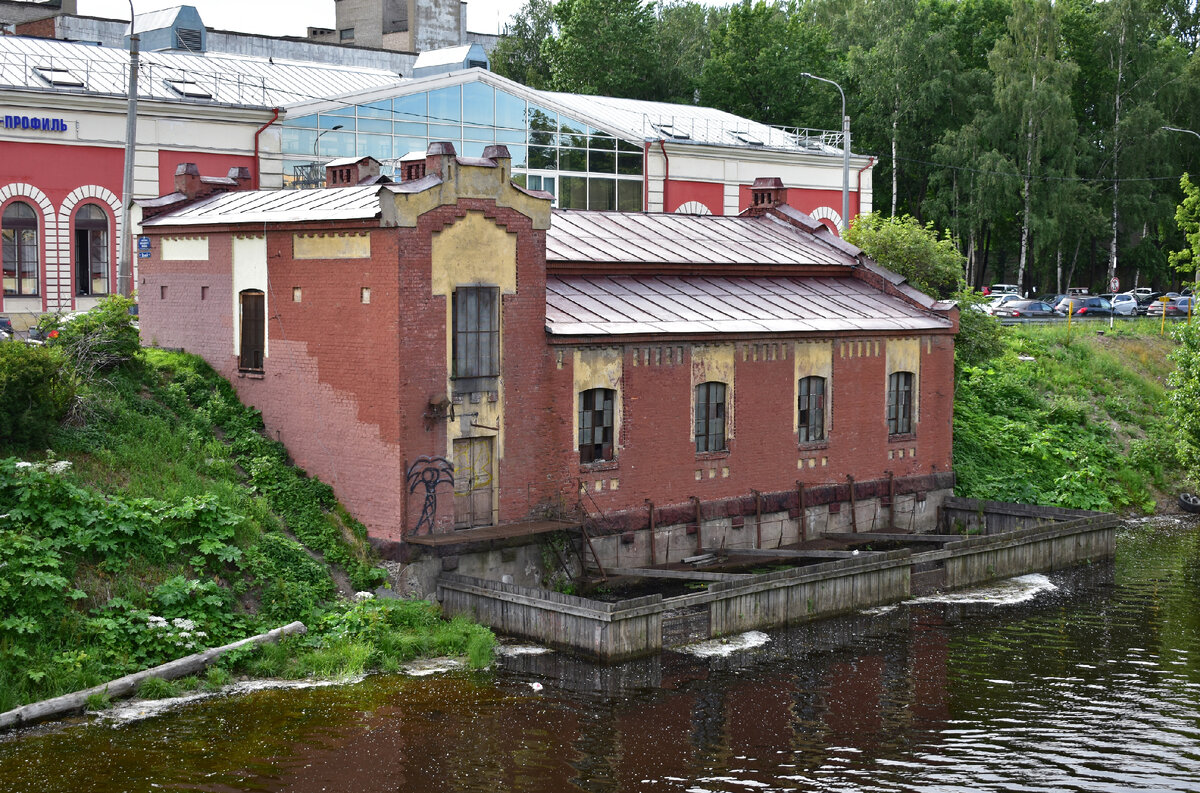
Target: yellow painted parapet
[(489, 180), (331, 246)]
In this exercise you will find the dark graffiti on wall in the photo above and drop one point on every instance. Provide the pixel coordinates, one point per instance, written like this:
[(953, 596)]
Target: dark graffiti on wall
[(430, 472)]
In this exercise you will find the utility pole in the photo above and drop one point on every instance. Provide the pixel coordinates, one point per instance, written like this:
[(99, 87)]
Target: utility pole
[(845, 152), (124, 249)]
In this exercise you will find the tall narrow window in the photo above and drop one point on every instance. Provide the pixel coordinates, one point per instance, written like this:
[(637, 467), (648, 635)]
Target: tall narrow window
[(254, 331), (91, 251), (710, 417), (476, 338), (596, 424), (811, 409), (899, 403), (19, 249)]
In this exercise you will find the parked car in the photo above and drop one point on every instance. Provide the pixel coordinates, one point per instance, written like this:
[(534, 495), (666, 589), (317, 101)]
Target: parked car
[(1052, 298), (1124, 305), (6, 328), (1142, 291), (1086, 307), (998, 302), (1005, 289), (1144, 301), (1026, 309), (1174, 307)]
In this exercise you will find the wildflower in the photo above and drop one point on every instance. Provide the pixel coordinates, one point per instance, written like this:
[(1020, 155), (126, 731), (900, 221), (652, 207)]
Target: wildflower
[(184, 624), (59, 467), (361, 596)]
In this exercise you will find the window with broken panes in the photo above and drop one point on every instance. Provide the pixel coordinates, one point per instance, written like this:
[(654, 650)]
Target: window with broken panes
[(253, 330), (476, 338), (899, 403), (710, 417), (596, 424), (811, 409)]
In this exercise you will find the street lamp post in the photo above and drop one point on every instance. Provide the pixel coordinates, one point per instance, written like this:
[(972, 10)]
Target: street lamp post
[(1178, 129), (124, 254), (845, 152), (316, 157)]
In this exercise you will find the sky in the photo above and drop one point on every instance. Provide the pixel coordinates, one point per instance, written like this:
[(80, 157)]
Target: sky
[(284, 17)]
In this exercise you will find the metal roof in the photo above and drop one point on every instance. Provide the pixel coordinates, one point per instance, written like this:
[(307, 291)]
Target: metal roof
[(199, 78), (277, 206), (618, 305), (647, 238)]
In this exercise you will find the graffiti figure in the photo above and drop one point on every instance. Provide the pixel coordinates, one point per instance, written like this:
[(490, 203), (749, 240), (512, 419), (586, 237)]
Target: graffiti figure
[(431, 472)]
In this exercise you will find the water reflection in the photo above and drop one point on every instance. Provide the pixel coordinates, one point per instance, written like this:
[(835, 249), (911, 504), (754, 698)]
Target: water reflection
[(1092, 685)]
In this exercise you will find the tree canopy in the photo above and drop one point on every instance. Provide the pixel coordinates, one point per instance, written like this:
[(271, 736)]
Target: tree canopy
[(1032, 130)]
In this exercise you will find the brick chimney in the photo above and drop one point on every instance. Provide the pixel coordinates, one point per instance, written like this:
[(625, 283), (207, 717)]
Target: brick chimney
[(241, 175), (498, 153), (187, 179), (438, 158), (412, 166), (766, 192)]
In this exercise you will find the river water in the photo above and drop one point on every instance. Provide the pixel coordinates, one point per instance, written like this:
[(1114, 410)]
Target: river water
[(1087, 680)]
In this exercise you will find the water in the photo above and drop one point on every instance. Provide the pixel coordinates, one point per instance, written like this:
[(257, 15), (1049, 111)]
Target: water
[(1087, 680)]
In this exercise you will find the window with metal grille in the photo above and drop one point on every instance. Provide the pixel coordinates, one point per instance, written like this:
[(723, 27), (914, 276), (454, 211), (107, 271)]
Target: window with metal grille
[(710, 417), (19, 249), (596, 424), (476, 338), (91, 251), (254, 330), (899, 403), (811, 409)]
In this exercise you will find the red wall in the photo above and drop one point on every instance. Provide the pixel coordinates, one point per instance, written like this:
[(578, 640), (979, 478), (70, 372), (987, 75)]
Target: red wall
[(680, 192), (56, 169)]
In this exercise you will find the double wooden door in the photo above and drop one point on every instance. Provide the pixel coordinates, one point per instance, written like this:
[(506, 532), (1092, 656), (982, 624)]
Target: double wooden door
[(473, 482)]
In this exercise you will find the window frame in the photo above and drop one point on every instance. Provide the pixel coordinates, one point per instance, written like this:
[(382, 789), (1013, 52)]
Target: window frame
[(475, 344), (810, 418), (85, 229), (597, 425), (900, 403), (711, 431), (252, 345), (17, 234)]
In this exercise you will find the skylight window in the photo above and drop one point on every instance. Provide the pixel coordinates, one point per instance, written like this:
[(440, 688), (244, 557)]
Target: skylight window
[(668, 130), (747, 138), (56, 75), (189, 88)]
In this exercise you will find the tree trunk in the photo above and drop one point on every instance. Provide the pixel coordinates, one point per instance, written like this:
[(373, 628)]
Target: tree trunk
[(895, 163), (1058, 269), (1116, 215), (123, 686)]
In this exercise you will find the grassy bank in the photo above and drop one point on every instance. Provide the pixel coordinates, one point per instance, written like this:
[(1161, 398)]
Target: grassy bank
[(1074, 419), (159, 520)]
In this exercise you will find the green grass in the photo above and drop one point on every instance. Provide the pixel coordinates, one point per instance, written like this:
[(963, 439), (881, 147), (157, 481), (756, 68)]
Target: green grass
[(1085, 423), (173, 531)]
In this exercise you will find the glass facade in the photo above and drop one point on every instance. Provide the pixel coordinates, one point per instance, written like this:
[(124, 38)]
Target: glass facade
[(583, 167)]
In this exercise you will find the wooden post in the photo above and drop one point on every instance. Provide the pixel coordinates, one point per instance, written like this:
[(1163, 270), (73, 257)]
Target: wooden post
[(653, 555), (757, 518), (891, 501), (803, 509), (699, 527), (853, 512)]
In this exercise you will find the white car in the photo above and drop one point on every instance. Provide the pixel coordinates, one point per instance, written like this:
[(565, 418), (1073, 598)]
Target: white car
[(1124, 305), (997, 302)]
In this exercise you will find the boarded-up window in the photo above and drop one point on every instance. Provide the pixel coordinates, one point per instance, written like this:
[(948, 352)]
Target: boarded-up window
[(811, 407), (596, 424), (254, 331), (710, 417), (899, 403), (476, 338)]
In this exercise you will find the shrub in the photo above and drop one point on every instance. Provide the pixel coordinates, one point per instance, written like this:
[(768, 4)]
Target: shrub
[(98, 340), (35, 392)]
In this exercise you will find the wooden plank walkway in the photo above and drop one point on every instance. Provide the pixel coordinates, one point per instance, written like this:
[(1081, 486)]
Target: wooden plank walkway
[(486, 533)]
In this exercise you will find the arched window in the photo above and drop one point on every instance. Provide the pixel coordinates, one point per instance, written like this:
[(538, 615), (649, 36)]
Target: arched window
[(91, 251), (596, 424), (710, 417), (253, 329), (811, 409), (899, 403), (19, 245)]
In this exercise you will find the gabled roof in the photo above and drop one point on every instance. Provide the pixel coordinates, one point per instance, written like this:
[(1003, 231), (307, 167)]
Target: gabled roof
[(651, 239), (276, 206), (198, 78), (620, 305)]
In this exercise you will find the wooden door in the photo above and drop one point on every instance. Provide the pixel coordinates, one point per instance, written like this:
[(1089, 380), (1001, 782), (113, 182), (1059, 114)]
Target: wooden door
[(472, 482)]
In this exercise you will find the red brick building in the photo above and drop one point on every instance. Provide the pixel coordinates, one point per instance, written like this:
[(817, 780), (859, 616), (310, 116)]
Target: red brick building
[(648, 370)]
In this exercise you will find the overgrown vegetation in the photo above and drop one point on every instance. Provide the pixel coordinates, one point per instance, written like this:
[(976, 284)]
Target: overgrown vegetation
[(160, 521), (1185, 400), (1069, 418)]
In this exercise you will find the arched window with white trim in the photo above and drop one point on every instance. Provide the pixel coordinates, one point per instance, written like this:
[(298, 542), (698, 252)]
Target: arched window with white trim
[(91, 251), (19, 249)]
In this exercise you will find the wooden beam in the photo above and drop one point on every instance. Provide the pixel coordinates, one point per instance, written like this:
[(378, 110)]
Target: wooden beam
[(785, 553), (685, 575)]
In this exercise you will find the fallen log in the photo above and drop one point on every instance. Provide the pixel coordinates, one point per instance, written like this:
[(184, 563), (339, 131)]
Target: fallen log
[(69, 704)]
